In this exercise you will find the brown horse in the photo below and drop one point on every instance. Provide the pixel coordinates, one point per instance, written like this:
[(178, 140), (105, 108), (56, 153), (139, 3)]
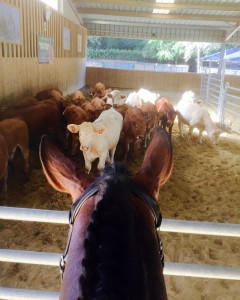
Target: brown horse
[(113, 250)]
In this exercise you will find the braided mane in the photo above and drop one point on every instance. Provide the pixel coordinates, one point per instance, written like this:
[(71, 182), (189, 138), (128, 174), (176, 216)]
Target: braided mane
[(113, 269)]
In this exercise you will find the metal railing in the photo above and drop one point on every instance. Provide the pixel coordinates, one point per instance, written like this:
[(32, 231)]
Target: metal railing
[(61, 217)]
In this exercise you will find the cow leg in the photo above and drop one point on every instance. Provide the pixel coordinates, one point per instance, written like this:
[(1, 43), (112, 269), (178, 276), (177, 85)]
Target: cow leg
[(112, 153), (102, 160), (190, 132), (25, 154), (145, 140), (11, 155), (180, 126), (88, 164), (200, 136), (170, 130), (126, 150), (4, 188), (75, 142)]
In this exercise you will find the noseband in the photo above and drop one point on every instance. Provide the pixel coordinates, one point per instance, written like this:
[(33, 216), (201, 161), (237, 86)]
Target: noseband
[(93, 188)]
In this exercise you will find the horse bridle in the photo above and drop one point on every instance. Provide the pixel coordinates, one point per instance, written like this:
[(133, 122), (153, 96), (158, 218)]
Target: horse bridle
[(93, 188)]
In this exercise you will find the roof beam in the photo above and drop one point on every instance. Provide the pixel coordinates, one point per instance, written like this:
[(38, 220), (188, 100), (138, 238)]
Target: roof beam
[(171, 6), (137, 24), (231, 31), (137, 14)]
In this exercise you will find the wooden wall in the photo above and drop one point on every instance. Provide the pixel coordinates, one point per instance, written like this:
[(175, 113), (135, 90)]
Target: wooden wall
[(20, 72), (128, 79), (158, 81)]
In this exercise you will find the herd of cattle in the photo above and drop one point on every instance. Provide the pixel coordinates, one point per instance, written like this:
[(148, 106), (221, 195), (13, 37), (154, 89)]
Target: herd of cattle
[(98, 120)]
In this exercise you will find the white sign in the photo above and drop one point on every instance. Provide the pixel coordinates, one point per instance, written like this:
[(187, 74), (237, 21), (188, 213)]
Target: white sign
[(66, 38), (10, 23)]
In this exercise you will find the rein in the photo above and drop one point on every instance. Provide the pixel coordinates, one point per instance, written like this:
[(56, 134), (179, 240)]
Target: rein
[(93, 189)]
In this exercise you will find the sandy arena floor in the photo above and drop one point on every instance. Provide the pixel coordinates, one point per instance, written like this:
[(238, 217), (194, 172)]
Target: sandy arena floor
[(204, 186)]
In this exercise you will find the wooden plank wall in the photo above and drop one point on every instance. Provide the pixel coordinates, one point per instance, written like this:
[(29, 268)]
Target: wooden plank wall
[(20, 72), (129, 79), (157, 81)]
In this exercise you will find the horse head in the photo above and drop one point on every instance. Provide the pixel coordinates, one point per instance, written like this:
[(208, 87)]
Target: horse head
[(113, 250)]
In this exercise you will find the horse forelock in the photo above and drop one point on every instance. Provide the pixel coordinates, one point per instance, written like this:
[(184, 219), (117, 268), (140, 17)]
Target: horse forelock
[(112, 257)]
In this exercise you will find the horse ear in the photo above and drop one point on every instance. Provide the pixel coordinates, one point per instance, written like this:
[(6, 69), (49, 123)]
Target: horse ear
[(58, 169), (157, 163)]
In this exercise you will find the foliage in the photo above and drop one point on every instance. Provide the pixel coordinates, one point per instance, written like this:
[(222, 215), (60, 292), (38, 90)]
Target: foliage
[(132, 55), (156, 51)]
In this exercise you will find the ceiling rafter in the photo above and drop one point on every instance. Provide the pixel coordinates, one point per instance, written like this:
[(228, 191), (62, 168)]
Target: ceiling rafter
[(232, 31), (92, 11), (171, 6)]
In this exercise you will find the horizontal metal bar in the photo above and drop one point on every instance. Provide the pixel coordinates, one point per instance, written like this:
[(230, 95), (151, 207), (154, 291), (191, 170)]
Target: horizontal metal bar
[(176, 269), (232, 96), (229, 111), (233, 88), (202, 271), (29, 257), (195, 227), (35, 215), (20, 294)]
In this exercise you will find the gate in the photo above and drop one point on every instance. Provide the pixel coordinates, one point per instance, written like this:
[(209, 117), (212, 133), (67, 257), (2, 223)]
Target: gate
[(212, 86), (220, 96)]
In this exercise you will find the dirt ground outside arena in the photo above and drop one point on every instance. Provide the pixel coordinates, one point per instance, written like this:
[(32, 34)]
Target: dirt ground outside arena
[(204, 186)]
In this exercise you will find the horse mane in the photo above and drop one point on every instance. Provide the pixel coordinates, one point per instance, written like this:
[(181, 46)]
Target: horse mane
[(113, 269)]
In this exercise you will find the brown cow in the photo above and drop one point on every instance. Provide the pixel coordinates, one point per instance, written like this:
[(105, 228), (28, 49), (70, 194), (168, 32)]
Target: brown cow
[(53, 94), (4, 157), (99, 90), (76, 98), (43, 118), (75, 115), (151, 115), (91, 110), (15, 132), (98, 103), (166, 114), (134, 127), (50, 93)]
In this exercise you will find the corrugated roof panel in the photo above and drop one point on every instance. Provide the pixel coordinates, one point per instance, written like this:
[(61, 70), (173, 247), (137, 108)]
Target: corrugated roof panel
[(220, 19)]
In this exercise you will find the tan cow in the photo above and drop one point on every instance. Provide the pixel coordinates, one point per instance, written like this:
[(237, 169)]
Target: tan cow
[(134, 127), (75, 115), (151, 116), (166, 113), (15, 132), (43, 118)]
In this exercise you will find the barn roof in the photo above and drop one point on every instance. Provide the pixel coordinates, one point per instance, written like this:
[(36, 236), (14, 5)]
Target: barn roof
[(182, 20)]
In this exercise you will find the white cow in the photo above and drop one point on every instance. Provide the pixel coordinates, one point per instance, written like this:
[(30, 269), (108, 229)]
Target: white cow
[(190, 96), (115, 98), (134, 100), (194, 115), (100, 138), (147, 96)]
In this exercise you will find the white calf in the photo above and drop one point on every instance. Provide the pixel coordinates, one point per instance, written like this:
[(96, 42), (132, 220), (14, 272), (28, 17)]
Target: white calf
[(194, 115), (134, 100), (115, 98), (100, 138), (147, 96)]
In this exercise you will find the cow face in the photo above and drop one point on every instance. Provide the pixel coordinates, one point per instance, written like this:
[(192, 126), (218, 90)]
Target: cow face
[(214, 136), (138, 128)]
